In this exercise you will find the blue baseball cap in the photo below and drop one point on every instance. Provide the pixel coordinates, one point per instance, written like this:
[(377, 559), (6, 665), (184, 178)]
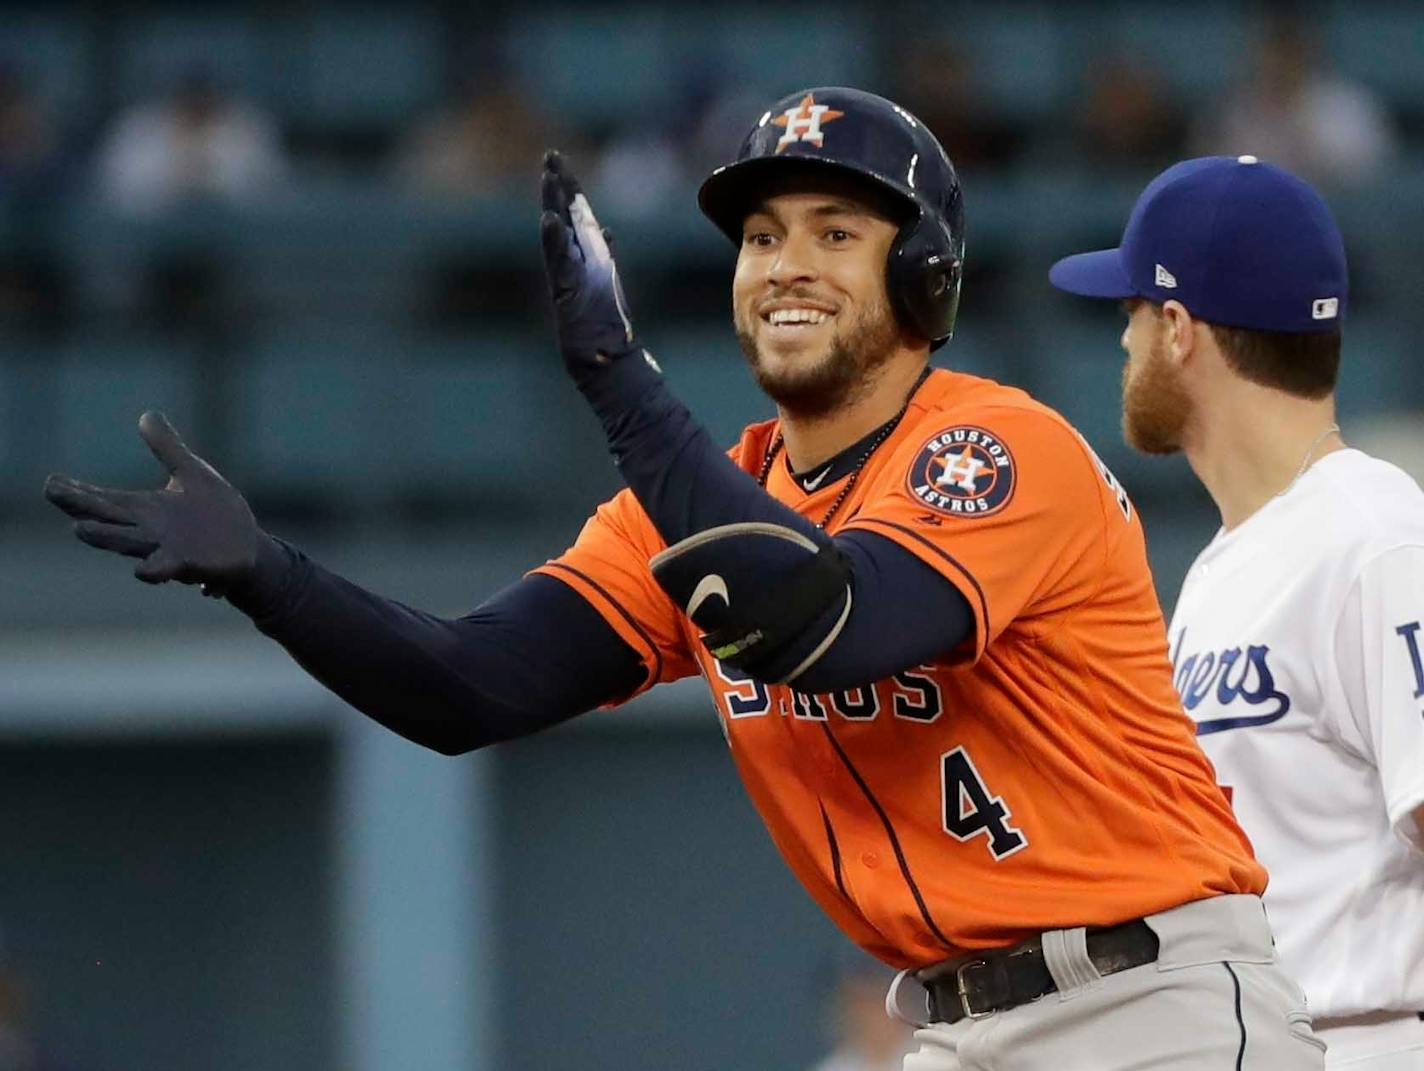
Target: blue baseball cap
[(1238, 242)]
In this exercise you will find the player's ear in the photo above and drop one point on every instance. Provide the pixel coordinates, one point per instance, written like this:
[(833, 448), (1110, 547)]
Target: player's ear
[(1183, 334)]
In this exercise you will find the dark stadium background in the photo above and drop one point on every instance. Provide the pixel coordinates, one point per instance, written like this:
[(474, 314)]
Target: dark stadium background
[(205, 860)]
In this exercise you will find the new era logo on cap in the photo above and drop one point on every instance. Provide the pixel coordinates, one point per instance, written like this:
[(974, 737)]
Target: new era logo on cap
[(1164, 278), (1326, 308)]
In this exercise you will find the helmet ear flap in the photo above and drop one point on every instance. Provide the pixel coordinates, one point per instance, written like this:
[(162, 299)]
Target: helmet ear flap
[(923, 277)]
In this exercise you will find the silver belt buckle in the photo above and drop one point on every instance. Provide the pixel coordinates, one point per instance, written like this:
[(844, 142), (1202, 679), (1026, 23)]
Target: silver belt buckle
[(969, 1013)]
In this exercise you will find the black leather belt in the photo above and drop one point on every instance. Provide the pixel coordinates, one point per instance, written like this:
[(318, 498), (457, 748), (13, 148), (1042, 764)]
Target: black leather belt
[(990, 982)]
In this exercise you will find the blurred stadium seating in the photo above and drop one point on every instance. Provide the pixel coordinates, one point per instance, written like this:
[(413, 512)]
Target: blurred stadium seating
[(340, 246), (375, 368)]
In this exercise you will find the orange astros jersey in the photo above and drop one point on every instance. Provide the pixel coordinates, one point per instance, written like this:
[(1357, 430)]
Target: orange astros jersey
[(1043, 777)]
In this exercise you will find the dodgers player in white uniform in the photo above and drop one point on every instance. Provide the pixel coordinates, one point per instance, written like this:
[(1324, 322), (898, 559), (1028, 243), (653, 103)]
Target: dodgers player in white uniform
[(1298, 637)]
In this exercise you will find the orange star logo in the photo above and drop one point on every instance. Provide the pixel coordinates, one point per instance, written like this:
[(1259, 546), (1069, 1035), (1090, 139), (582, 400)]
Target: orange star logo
[(803, 123)]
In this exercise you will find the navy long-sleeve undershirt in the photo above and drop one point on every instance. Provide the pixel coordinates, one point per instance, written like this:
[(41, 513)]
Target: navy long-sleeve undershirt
[(537, 653), (533, 655)]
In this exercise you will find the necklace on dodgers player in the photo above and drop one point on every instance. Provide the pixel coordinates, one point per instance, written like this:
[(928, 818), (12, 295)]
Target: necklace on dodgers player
[(1305, 461)]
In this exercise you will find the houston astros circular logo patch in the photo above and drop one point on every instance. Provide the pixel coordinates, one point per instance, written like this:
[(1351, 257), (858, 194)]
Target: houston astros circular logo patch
[(963, 472)]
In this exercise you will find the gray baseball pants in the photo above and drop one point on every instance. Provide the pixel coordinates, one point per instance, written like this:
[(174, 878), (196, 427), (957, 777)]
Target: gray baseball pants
[(1381, 1041), (1213, 1001)]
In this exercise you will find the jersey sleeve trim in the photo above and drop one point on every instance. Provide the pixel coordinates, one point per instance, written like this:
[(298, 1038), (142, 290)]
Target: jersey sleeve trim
[(614, 612), (937, 558)]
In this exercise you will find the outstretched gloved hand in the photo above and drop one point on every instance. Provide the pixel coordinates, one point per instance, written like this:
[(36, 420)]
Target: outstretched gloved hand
[(197, 530), (592, 314)]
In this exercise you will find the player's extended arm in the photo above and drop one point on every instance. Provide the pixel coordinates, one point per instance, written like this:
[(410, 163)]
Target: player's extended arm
[(533, 655), (776, 596)]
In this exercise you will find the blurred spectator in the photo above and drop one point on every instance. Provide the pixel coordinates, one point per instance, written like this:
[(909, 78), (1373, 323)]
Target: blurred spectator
[(1125, 119), (29, 148), (867, 1039), (486, 142), (638, 172), (34, 291), (200, 144), (1294, 112), (663, 155), (19, 1050), (934, 79)]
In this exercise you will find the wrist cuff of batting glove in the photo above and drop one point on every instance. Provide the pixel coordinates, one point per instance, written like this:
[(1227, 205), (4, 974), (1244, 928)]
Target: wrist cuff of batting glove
[(262, 592), (623, 384)]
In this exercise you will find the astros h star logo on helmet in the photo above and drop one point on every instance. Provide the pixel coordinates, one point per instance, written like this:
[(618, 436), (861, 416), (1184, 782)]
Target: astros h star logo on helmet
[(963, 472), (803, 122)]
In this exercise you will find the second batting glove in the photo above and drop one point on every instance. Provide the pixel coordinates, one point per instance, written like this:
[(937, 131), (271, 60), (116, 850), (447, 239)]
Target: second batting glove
[(197, 530)]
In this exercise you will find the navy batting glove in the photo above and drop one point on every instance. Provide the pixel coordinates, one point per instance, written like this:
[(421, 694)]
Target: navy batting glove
[(196, 530), (589, 307)]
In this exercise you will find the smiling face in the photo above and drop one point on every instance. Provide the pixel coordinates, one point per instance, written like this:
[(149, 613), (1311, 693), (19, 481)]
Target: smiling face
[(809, 299)]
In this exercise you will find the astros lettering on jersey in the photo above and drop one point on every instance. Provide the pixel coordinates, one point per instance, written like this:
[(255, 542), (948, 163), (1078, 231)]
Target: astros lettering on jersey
[(1042, 777)]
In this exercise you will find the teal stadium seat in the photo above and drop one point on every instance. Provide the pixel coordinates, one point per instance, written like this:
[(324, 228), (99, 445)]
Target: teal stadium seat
[(777, 49), (102, 383), (1378, 369), (982, 348), (340, 248), (54, 55), (1044, 215), (154, 49), (1381, 45), (1198, 50), (706, 369), (321, 410), (325, 66), (22, 417), (360, 67), (1015, 52), (614, 66), (492, 413)]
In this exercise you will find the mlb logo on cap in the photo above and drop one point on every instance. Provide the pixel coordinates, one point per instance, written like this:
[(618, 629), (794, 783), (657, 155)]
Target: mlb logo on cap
[(1238, 242)]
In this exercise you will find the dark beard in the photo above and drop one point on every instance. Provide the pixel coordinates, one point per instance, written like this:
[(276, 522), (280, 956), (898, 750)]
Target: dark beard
[(1155, 406), (840, 378)]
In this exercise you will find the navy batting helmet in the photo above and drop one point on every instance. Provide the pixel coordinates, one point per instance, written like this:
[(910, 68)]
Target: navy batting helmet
[(851, 131)]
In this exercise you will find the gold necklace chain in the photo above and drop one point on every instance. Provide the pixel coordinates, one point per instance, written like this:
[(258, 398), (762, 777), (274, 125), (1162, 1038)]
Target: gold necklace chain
[(886, 430), (1305, 461)]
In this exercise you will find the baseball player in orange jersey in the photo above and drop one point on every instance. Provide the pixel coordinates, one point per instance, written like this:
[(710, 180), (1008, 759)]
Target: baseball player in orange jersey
[(921, 602)]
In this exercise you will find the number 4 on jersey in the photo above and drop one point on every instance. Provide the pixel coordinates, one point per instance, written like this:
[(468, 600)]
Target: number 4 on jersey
[(970, 810)]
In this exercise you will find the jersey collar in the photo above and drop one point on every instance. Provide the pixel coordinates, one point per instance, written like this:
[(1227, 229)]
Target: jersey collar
[(821, 476)]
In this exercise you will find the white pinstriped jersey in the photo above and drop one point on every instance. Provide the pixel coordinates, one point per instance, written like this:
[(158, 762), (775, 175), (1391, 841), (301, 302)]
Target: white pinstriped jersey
[(1297, 645)]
